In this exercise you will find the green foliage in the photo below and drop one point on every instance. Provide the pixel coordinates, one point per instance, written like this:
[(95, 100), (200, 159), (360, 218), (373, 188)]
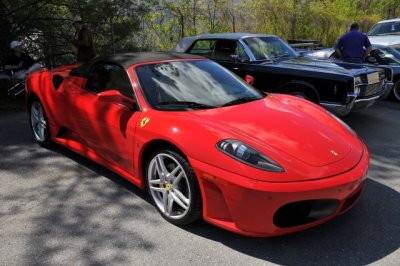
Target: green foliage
[(44, 26), (137, 25)]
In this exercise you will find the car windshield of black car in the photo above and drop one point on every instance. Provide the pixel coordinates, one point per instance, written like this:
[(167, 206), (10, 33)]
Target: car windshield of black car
[(269, 48), (188, 85)]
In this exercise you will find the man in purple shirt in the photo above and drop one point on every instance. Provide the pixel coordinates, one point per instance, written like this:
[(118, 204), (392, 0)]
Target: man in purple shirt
[(354, 46)]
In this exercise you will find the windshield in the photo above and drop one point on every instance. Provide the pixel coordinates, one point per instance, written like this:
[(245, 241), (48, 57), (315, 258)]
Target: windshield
[(269, 48), (386, 28), (192, 84), (387, 56)]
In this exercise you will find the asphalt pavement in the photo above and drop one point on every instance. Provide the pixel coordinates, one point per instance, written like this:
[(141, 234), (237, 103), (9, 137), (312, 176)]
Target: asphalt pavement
[(58, 208)]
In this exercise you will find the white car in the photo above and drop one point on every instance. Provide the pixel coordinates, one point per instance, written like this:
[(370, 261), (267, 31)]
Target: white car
[(386, 32)]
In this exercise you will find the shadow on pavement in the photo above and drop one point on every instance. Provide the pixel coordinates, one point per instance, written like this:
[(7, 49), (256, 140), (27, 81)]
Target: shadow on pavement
[(367, 233), (58, 208)]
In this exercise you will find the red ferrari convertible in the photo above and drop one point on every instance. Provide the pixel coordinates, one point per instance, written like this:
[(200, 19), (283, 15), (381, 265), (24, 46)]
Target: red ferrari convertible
[(202, 141)]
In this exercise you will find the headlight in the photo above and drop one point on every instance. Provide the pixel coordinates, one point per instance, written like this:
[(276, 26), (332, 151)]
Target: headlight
[(357, 83), (244, 153)]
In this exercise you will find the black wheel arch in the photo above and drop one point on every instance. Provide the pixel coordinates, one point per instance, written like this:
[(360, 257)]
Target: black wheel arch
[(29, 100), (301, 86)]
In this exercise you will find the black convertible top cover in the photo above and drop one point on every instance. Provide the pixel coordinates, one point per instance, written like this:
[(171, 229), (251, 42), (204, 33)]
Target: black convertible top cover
[(127, 59)]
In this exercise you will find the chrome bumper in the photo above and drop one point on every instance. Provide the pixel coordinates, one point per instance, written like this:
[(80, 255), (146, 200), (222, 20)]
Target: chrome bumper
[(355, 103), (388, 88)]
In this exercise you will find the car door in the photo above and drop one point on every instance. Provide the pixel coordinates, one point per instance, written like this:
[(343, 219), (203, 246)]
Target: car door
[(105, 127)]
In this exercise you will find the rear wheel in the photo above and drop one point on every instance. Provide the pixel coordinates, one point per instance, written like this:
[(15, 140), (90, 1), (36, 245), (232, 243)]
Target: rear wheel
[(173, 187), (39, 124)]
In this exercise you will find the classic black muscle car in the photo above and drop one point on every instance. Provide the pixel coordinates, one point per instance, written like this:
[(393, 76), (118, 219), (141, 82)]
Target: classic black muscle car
[(276, 67)]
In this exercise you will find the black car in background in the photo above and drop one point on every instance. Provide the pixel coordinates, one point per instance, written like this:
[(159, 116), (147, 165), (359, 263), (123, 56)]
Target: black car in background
[(276, 67), (380, 56)]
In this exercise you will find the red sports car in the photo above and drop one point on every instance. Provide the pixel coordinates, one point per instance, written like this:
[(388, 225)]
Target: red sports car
[(202, 141)]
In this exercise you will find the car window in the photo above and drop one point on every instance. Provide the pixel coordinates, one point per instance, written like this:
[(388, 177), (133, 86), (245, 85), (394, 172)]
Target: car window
[(119, 81), (97, 78), (227, 50), (388, 56), (104, 77), (203, 48), (392, 27), (224, 50)]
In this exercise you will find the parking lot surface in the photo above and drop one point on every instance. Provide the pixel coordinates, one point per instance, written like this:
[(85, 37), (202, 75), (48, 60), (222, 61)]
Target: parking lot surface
[(58, 208)]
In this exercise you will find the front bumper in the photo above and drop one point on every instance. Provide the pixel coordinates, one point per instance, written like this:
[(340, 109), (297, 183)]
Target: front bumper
[(355, 102), (388, 88), (255, 208)]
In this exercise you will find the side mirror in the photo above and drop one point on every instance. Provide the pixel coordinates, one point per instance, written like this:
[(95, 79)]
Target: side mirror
[(114, 96), (249, 79), (371, 60)]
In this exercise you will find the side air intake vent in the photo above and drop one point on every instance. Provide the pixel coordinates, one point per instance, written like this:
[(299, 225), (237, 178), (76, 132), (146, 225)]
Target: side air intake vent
[(57, 81)]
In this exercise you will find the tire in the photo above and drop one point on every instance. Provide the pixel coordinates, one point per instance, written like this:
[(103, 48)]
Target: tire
[(173, 187), (39, 124), (303, 93), (396, 91), (300, 94)]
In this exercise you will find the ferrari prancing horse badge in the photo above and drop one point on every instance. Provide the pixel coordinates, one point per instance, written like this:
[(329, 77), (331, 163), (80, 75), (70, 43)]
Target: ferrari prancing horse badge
[(144, 121)]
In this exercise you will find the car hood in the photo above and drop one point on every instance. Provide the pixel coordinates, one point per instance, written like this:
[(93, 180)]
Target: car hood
[(323, 66), (385, 40), (288, 125)]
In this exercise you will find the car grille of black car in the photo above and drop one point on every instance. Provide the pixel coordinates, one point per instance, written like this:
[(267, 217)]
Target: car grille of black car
[(374, 88)]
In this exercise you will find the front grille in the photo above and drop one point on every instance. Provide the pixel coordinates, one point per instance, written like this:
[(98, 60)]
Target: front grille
[(374, 88), (371, 84), (304, 212)]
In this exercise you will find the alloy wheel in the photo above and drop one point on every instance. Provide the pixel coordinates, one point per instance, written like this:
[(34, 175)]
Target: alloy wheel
[(38, 122), (169, 186)]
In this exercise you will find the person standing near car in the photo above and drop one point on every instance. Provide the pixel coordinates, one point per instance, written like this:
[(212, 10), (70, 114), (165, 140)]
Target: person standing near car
[(354, 46), (82, 44), (19, 64)]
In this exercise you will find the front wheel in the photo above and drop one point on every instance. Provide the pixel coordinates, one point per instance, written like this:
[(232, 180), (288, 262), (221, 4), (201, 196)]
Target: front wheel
[(303, 93), (300, 95), (396, 90), (173, 187), (39, 124)]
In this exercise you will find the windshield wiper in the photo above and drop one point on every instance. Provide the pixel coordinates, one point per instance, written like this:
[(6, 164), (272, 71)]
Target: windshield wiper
[(241, 100), (193, 105), (281, 56)]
